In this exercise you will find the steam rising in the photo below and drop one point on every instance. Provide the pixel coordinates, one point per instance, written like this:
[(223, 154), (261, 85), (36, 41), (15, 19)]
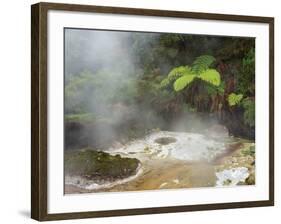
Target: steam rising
[(109, 58), (96, 50)]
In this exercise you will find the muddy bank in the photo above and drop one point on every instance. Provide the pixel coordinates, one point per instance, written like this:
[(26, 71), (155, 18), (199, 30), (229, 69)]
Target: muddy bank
[(164, 174)]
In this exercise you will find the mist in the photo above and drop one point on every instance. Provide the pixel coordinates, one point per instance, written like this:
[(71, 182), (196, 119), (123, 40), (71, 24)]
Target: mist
[(106, 58), (112, 81)]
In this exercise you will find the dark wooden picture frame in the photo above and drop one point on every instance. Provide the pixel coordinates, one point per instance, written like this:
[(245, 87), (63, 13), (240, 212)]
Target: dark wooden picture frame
[(39, 105)]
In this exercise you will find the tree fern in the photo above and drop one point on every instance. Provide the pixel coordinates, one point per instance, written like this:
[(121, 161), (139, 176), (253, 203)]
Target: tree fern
[(214, 90), (202, 63), (183, 81), (164, 83), (183, 76), (211, 76), (233, 99), (176, 73)]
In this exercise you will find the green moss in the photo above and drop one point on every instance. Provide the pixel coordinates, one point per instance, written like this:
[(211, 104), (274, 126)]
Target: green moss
[(90, 163), (249, 151)]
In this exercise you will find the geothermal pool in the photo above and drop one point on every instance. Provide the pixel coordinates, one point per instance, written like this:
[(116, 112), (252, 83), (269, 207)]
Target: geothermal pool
[(182, 146), (175, 160)]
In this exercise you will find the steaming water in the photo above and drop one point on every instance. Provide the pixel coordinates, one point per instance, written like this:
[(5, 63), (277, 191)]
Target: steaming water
[(187, 147), (87, 184), (184, 162)]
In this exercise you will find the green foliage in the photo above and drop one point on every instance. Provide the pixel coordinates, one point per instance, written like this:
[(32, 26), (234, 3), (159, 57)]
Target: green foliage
[(246, 77), (249, 111), (183, 76), (233, 99), (202, 63), (249, 59), (176, 73), (183, 81), (86, 89), (215, 90), (150, 90), (76, 90), (165, 75), (164, 83), (170, 39), (211, 75)]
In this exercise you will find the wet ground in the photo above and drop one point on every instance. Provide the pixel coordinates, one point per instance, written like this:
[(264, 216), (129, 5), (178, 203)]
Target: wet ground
[(172, 160)]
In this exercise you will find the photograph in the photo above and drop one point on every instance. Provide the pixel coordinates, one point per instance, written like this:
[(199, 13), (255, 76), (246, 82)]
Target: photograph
[(135, 111), (144, 111), (157, 111)]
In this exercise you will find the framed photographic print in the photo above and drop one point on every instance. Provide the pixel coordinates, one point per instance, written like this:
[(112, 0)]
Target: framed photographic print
[(138, 111)]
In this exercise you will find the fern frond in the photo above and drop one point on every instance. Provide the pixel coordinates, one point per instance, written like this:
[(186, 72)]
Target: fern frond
[(202, 63), (183, 81), (211, 76), (178, 72), (164, 83), (233, 99), (174, 74), (184, 75)]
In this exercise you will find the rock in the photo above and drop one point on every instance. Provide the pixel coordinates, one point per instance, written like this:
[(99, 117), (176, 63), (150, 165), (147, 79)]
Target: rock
[(232, 177), (99, 165), (251, 179)]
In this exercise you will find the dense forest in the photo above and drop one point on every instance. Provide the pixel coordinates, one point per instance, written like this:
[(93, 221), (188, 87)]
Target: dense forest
[(120, 85)]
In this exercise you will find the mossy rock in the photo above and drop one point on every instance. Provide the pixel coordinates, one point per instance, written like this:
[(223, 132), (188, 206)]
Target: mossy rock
[(97, 164)]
